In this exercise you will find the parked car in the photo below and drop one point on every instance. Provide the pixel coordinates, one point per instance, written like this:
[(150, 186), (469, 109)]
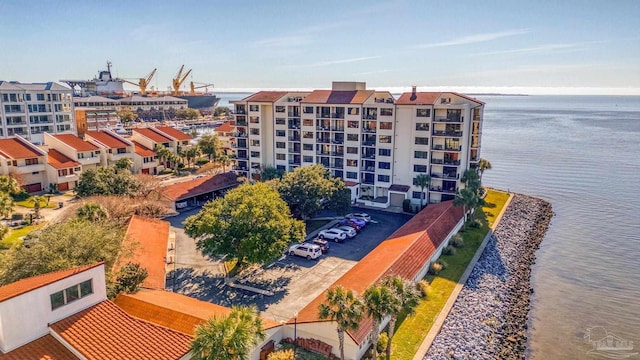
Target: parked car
[(332, 234), (324, 244), (360, 216), (357, 221), (309, 251), (348, 222), (351, 232)]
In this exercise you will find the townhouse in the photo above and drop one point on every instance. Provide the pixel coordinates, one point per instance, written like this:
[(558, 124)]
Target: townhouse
[(24, 161), (114, 147), (84, 152)]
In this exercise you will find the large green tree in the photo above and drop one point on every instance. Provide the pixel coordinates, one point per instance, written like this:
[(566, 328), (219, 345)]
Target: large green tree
[(471, 180), (423, 181), (187, 114), (92, 212), (468, 198), (9, 185), (407, 298), (250, 223), (107, 181), (6, 205), (123, 164), (210, 145), (270, 173), (379, 301), (231, 337), (343, 307), (126, 116)]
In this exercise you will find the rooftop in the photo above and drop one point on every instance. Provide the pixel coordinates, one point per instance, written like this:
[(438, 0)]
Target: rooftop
[(265, 96), (203, 185), (152, 135), (142, 150), (16, 148), (44, 348), (427, 98), (174, 133), (75, 142), (109, 140), (225, 127), (338, 97), (60, 161)]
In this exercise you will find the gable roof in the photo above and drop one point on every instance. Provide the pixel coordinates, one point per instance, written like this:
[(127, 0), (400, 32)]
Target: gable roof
[(174, 133), (428, 98), (75, 142), (44, 348), (227, 126), (142, 150), (29, 284), (338, 97), (403, 253), (265, 96), (148, 238), (16, 148), (191, 188), (152, 135), (109, 140), (104, 331), (60, 161)]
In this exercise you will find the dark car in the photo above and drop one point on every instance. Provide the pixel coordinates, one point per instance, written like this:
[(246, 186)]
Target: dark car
[(324, 244), (348, 222)]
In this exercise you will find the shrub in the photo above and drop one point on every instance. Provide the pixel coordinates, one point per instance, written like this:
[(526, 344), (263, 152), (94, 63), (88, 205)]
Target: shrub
[(475, 224), (201, 162), (383, 340), (281, 355), (449, 250), (442, 263), (435, 268), (424, 286), (166, 171), (457, 241), (21, 196), (406, 205)]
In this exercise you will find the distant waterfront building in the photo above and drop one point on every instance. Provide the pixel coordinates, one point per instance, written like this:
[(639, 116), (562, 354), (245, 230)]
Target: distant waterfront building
[(377, 144), (31, 109), (95, 113)]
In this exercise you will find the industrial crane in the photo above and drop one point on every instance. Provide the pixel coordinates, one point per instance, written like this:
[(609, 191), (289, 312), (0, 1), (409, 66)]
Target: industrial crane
[(193, 87), (143, 82), (179, 79)]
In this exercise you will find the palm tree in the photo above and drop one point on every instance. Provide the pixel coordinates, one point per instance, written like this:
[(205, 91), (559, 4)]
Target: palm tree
[(468, 199), (422, 180), (6, 205), (92, 212), (37, 201), (471, 180), (483, 164), (407, 298), (191, 154), (229, 338), (9, 185), (343, 307), (379, 301), (225, 161), (162, 153)]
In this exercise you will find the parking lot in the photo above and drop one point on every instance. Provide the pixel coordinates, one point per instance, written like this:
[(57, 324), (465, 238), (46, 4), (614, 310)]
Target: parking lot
[(294, 281)]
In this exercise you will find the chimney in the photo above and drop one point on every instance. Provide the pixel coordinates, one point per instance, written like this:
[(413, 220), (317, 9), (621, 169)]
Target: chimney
[(413, 92)]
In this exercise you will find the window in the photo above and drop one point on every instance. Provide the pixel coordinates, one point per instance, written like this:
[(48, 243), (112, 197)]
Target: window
[(308, 159), (280, 109), (352, 124), (254, 107), (384, 125), (383, 178), (307, 122), (422, 127), (71, 294), (352, 150), (281, 157), (352, 162), (353, 111), (384, 165), (86, 288), (40, 97), (352, 175), (384, 152), (280, 133), (308, 110), (57, 300), (422, 141), (420, 154), (416, 195), (384, 139), (352, 137), (386, 111), (280, 145), (281, 167), (280, 121), (255, 154), (423, 112), (307, 134), (254, 119), (31, 161), (307, 147), (255, 142), (255, 131), (420, 168)]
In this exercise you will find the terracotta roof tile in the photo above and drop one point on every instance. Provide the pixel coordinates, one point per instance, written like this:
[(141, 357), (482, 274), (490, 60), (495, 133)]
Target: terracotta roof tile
[(225, 127), (44, 348), (191, 188), (152, 135), (104, 331), (174, 133), (142, 150), (25, 285), (75, 142), (15, 148), (351, 183), (265, 96), (60, 161), (399, 254), (338, 97), (106, 139), (148, 238), (419, 98)]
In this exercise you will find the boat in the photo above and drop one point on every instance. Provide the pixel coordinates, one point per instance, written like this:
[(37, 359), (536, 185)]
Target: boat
[(103, 85)]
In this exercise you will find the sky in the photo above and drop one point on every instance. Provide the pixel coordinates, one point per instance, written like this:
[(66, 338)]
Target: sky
[(529, 47)]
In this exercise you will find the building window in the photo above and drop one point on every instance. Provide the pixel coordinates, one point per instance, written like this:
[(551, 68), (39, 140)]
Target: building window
[(255, 142), (420, 154), (352, 124), (280, 109), (384, 139), (352, 162), (416, 195), (307, 159), (422, 127), (255, 154), (308, 110), (383, 178), (384, 152), (280, 145), (420, 168), (281, 157), (423, 112), (281, 133), (71, 294), (307, 147), (422, 141), (352, 150), (280, 121), (254, 119), (307, 122), (255, 131), (31, 161), (384, 125), (353, 111), (352, 175), (254, 107), (386, 111), (352, 137), (40, 97), (384, 165)]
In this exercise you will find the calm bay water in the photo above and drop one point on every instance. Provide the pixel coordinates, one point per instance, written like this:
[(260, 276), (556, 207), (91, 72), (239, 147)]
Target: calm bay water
[(581, 153)]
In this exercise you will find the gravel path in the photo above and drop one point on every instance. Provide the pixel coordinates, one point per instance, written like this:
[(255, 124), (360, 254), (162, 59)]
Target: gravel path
[(489, 318)]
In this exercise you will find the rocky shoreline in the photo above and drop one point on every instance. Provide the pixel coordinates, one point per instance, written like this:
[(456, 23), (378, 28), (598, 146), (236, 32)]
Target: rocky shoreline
[(489, 318)]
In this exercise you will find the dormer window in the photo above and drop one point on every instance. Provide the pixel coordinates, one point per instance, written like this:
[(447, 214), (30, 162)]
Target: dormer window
[(71, 294)]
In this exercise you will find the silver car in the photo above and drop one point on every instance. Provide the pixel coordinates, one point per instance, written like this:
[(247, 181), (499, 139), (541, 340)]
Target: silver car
[(336, 235), (351, 232)]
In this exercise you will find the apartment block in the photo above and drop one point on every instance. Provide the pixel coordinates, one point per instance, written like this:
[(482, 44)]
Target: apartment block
[(30, 110), (376, 143), (95, 113)]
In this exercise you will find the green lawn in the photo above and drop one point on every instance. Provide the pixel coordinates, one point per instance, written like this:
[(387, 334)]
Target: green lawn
[(411, 331), (14, 235), (43, 204)]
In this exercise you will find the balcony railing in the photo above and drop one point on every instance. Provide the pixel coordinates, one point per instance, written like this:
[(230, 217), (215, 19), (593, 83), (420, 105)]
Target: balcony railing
[(368, 181), (456, 119), (337, 128), (445, 162), (337, 153), (368, 130), (321, 152), (450, 190), (323, 141), (446, 148), (370, 117), (323, 128), (368, 156), (241, 123), (337, 115), (294, 138), (445, 176), (241, 112), (368, 169), (368, 143), (447, 133)]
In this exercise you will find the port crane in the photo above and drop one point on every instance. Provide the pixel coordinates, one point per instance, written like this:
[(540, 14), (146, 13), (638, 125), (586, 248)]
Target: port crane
[(193, 87), (143, 82), (179, 80)]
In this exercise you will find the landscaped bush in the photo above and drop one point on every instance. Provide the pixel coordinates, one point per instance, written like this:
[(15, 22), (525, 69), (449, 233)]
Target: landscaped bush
[(383, 340), (449, 250), (435, 268), (424, 286), (457, 241), (201, 162), (406, 205), (286, 354), (475, 224), (166, 171), (21, 196), (442, 263)]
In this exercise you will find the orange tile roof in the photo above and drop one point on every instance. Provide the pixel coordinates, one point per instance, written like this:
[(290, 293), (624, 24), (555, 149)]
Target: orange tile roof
[(338, 97), (351, 183), (265, 96), (152, 135), (14, 148), (75, 142), (25, 285), (191, 188), (225, 127), (44, 348), (403, 253), (174, 133), (60, 161), (108, 140), (148, 240), (104, 331), (142, 150), (420, 98)]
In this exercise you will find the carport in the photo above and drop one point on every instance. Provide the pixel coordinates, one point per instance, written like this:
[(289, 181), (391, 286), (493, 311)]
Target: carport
[(197, 191)]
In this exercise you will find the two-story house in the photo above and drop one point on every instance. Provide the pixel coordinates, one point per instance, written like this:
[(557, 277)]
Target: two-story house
[(114, 147), (84, 152), (228, 134), (145, 160), (62, 170), (24, 161), (183, 141)]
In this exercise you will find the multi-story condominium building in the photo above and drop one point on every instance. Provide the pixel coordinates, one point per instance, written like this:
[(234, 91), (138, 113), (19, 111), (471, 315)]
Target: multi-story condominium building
[(29, 110), (376, 143), (95, 113)]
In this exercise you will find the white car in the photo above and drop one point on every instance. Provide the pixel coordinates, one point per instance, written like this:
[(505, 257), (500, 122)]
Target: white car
[(336, 235), (309, 251), (351, 232), (361, 216)]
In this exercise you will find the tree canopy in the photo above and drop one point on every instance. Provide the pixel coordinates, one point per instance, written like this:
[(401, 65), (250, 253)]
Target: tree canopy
[(107, 181), (127, 279), (251, 223), (270, 173), (210, 145), (343, 307), (188, 114), (9, 185), (126, 116)]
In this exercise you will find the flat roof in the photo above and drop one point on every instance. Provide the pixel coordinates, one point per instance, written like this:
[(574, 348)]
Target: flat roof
[(337, 97)]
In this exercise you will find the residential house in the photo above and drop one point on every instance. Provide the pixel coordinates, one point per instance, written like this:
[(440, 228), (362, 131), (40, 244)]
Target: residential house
[(84, 152), (228, 135), (62, 171), (145, 160), (182, 140), (24, 161), (114, 147)]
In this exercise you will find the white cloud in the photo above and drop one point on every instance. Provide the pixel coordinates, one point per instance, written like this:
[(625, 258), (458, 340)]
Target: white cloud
[(473, 39)]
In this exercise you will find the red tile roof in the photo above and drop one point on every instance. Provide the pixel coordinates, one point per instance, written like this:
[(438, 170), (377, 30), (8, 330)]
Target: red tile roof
[(403, 253), (108, 140), (399, 188), (351, 183), (191, 188), (338, 97), (142, 150), (225, 127), (174, 133), (25, 285), (104, 331), (148, 239), (44, 348), (75, 142), (60, 161), (265, 96), (15, 148), (152, 135), (419, 98)]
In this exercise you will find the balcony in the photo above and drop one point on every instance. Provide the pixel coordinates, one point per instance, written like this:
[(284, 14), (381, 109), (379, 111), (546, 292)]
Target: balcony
[(27, 169), (67, 178), (294, 151), (368, 169), (370, 117), (368, 143), (241, 123), (337, 128), (323, 141), (116, 157), (241, 112), (445, 176), (323, 127), (322, 152), (368, 130), (450, 190), (368, 181), (337, 153), (446, 148), (445, 162), (452, 119), (447, 133), (294, 138), (337, 116), (324, 115), (89, 160), (369, 156)]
